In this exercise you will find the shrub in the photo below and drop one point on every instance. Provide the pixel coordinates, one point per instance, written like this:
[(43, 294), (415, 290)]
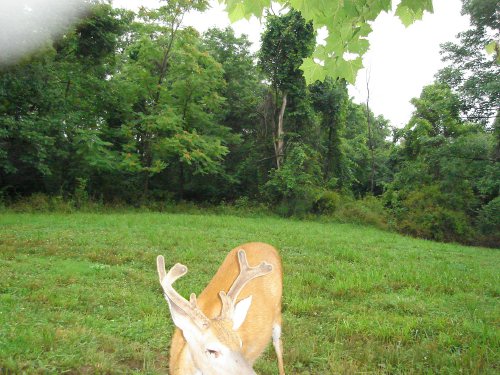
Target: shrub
[(368, 210), (37, 202), (292, 190), (242, 203), (40, 202), (80, 196), (59, 204), (2, 200), (437, 223), (488, 223), (327, 203), (300, 206), (489, 217), (424, 214), (246, 206)]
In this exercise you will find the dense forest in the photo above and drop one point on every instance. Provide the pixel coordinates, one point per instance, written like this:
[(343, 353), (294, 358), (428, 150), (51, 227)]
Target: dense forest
[(136, 109)]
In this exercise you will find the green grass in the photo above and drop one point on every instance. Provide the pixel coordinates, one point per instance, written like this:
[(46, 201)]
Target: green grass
[(79, 294)]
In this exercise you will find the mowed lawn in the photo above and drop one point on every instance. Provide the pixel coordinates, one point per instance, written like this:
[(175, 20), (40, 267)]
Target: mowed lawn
[(79, 294)]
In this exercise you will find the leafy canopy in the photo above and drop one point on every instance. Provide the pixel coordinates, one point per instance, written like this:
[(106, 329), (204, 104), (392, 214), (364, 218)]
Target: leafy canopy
[(347, 26), (471, 73), (286, 41)]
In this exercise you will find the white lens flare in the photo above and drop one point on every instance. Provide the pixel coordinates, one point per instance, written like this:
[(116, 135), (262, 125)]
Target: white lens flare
[(30, 25)]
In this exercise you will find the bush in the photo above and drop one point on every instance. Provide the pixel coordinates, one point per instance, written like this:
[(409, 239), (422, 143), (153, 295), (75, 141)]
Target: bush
[(489, 217), (488, 223), (327, 203), (300, 206), (59, 204), (80, 196), (247, 206), (243, 203), (437, 223), (368, 210), (37, 202), (423, 214), (40, 202), (292, 190), (2, 199)]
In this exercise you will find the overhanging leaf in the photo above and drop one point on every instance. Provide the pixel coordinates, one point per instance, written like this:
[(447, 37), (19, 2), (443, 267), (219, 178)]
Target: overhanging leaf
[(491, 47), (235, 11), (348, 69), (410, 11), (313, 71), (348, 26), (239, 9), (256, 7), (358, 46)]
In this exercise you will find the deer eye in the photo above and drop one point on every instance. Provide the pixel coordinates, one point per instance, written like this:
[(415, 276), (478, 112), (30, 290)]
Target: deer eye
[(213, 353)]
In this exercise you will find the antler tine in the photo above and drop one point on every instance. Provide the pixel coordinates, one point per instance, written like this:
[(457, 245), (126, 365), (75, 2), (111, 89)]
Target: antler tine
[(246, 274), (227, 309), (167, 279)]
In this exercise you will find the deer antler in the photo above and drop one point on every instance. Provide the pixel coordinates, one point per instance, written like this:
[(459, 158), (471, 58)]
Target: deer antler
[(167, 279), (246, 274)]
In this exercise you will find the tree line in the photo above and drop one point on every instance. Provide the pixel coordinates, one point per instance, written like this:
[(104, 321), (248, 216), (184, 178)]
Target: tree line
[(132, 107)]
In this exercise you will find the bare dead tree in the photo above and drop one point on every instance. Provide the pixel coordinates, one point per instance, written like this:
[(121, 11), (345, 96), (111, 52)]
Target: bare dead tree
[(371, 145)]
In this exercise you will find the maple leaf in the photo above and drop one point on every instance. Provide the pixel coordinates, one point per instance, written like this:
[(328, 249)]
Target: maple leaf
[(313, 71)]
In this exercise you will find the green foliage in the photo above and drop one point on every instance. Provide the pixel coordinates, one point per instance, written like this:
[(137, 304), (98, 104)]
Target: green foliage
[(330, 100), (134, 109), (410, 11), (489, 219), (366, 211), (173, 89), (448, 170), (97, 33), (327, 203), (37, 202), (242, 87), (243, 92), (81, 196), (424, 213), (436, 118), (42, 203), (299, 174), (347, 24), (472, 73), (293, 187), (483, 15), (358, 152), (285, 42)]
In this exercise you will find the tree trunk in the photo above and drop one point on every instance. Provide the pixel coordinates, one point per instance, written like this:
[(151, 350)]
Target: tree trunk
[(147, 162), (279, 142), (370, 137), (329, 154), (181, 181), (145, 191)]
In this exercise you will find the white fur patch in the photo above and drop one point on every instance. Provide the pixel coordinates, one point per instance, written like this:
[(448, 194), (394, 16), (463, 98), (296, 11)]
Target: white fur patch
[(240, 312), (276, 332)]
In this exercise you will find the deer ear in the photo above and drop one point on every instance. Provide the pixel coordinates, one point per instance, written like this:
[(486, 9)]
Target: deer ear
[(179, 316), (240, 312), (183, 321)]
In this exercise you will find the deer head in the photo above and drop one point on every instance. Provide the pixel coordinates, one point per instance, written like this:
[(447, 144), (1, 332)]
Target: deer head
[(214, 344)]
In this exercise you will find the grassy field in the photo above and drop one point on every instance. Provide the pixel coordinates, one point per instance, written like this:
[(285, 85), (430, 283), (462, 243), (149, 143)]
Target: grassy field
[(79, 294)]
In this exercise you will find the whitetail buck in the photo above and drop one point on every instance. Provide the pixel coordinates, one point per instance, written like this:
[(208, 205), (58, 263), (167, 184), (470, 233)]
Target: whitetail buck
[(228, 327)]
